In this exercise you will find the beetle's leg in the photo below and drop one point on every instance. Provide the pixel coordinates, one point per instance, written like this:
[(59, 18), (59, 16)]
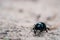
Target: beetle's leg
[(33, 28), (48, 28), (35, 32)]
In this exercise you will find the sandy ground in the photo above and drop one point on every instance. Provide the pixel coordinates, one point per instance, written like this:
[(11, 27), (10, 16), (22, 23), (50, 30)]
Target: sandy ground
[(17, 18)]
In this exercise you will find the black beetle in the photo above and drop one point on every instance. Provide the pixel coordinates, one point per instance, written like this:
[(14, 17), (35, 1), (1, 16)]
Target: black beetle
[(41, 26)]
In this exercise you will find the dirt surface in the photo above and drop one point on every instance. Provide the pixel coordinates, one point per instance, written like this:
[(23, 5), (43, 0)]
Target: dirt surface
[(17, 18)]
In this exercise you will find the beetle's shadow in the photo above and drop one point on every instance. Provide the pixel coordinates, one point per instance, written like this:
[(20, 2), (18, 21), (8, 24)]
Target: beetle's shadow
[(41, 34)]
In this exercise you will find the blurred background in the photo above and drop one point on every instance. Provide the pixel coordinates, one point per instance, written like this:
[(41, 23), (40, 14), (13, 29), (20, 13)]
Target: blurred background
[(17, 18)]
